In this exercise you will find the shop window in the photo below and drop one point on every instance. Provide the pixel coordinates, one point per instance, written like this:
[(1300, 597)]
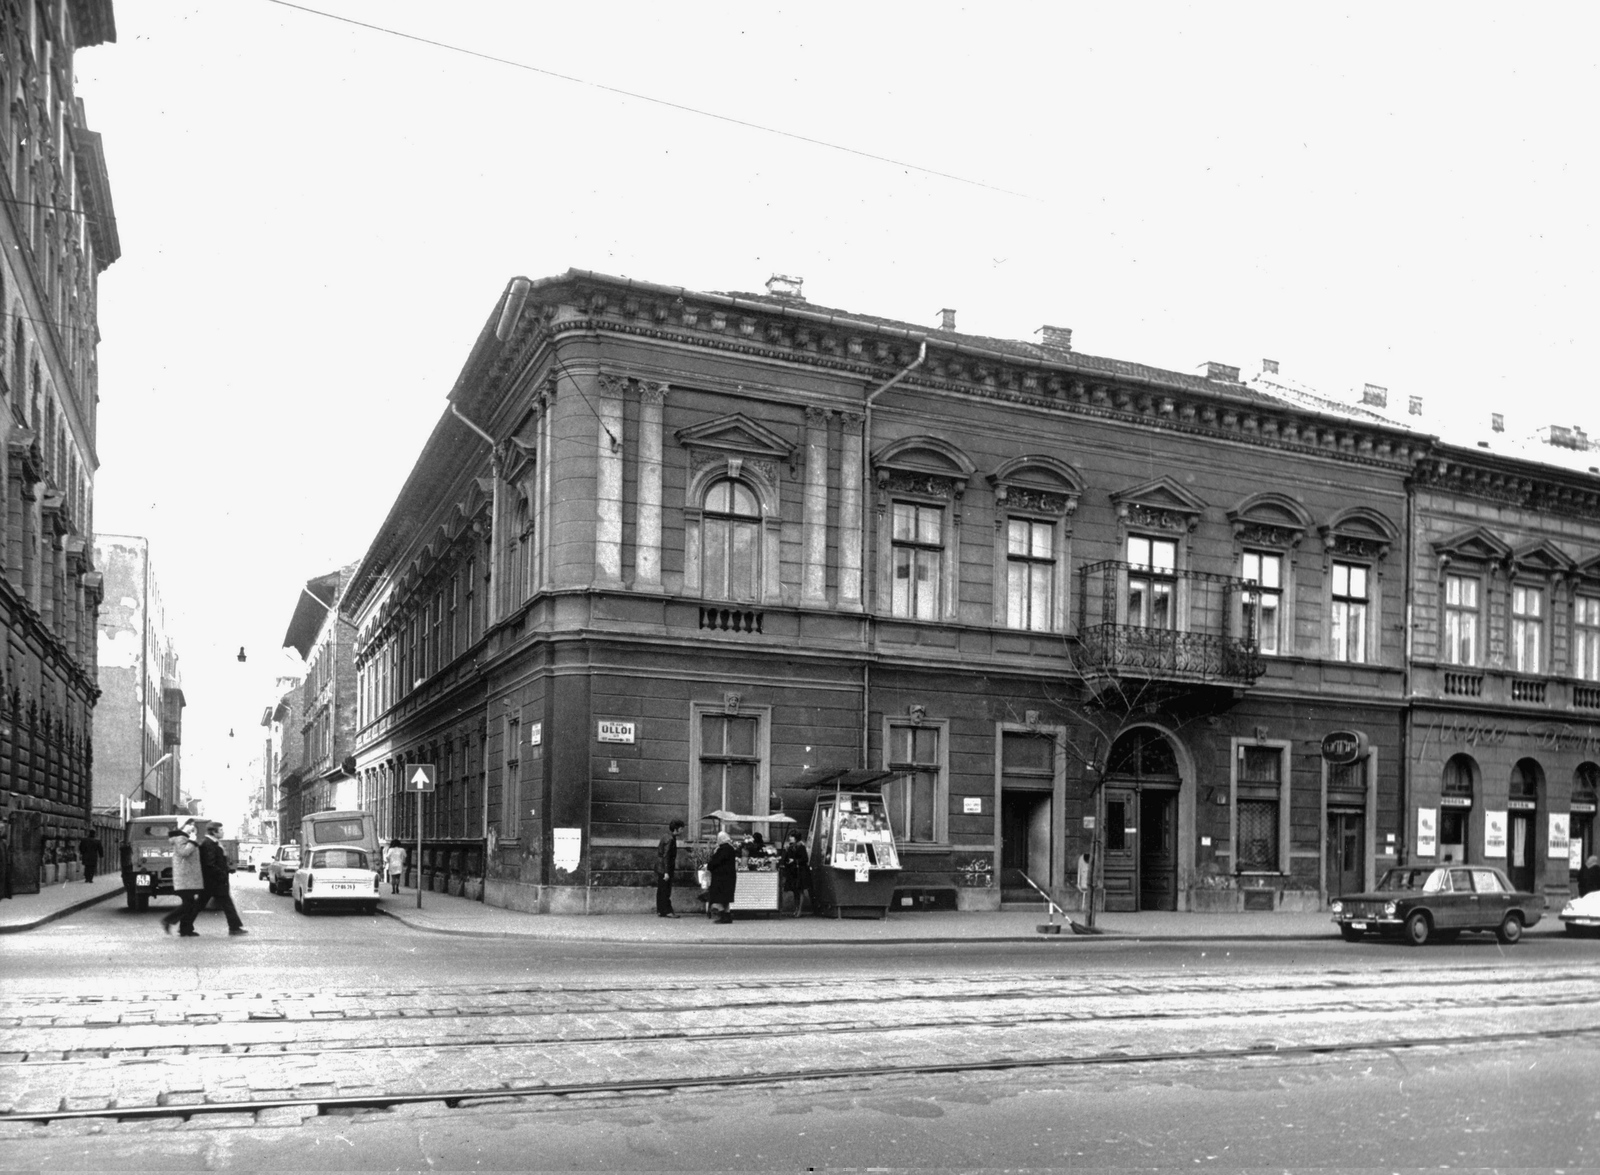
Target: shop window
[(1263, 602), (1349, 612), (1460, 620), (1586, 643), (1030, 574), (731, 753), (1152, 582), (1527, 628), (1458, 789), (730, 543), (916, 799), (917, 554)]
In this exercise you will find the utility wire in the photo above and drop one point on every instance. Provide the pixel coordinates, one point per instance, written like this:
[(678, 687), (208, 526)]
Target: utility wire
[(727, 118)]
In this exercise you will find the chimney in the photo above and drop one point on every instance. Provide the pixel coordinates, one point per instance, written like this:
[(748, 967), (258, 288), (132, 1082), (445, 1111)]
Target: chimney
[(1497, 422), (1220, 372), (947, 319), (1055, 338), (1414, 406), (1269, 367), (1374, 395), (782, 286)]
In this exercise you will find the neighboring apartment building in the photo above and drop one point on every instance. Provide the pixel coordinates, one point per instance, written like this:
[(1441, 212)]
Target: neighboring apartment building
[(138, 722), (326, 704), (280, 796), (668, 552), (57, 234)]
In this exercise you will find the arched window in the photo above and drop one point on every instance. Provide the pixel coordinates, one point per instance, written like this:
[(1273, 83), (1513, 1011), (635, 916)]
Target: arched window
[(730, 545)]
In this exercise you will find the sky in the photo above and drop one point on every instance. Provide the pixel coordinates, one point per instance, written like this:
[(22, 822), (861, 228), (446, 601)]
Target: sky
[(319, 206)]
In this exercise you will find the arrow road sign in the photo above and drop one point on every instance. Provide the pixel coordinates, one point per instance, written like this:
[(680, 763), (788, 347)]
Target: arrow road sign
[(420, 777)]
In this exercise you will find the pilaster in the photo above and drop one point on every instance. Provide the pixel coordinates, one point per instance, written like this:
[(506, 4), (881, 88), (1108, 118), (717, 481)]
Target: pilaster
[(814, 530), (852, 524), (647, 533)]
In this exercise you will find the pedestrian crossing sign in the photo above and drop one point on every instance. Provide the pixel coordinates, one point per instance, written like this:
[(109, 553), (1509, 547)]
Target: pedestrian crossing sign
[(420, 777)]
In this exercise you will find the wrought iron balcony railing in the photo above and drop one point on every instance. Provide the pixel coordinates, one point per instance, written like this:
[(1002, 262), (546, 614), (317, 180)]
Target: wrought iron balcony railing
[(1163, 653)]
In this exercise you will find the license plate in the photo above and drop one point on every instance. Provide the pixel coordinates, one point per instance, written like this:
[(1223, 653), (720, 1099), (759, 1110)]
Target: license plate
[(142, 879), (342, 885), (1358, 926)]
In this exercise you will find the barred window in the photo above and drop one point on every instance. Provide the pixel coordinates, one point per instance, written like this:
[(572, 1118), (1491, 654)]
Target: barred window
[(1258, 835)]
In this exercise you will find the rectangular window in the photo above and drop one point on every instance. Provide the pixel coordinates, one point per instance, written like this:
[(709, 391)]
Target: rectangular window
[(915, 800), (1263, 603), (1586, 647), (1349, 628), (1258, 809), (730, 764), (1460, 620), (1152, 582), (436, 658), (1258, 836), (1030, 574), (451, 620), (511, 789), (1527, 628), (917, 546)]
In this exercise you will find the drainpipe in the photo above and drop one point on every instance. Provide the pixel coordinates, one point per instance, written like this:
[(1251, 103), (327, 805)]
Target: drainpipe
[(866, 491)]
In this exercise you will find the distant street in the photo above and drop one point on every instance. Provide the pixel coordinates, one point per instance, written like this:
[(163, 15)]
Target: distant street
[(1001, 1054)]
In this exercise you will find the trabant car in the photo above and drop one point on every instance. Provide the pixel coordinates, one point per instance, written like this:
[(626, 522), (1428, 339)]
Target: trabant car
[(1438, 902), (1582, 914), (281, 869), (342, 876)]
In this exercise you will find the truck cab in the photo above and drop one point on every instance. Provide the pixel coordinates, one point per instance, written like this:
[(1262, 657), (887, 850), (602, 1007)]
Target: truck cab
[(146, 853)]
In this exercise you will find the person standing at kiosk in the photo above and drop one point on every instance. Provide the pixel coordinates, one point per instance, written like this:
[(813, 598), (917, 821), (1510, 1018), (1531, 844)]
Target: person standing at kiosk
[(724, 866), (796, 866)]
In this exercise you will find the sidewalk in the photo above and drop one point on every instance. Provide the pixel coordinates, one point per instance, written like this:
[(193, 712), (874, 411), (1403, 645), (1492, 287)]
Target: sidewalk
[(25, 911), (443, 914)]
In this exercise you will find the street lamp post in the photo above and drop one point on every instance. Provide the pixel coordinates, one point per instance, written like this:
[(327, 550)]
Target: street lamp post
[(128, 801)]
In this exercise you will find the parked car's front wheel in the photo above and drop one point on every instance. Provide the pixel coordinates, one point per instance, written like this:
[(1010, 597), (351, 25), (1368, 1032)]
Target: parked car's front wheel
[(1418, 928), (1510, 929)]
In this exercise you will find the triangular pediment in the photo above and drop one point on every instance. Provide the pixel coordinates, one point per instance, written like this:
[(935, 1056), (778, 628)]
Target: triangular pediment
[(736, 434), (1163, 493), (1543, 557), (1476, 544)]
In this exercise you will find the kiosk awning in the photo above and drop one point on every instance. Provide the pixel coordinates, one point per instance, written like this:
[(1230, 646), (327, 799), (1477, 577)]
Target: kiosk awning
[(727, 817), (844, 779)]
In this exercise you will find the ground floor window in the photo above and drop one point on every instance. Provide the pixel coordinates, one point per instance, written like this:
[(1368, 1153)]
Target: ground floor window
[(915, 798), (732, 759)]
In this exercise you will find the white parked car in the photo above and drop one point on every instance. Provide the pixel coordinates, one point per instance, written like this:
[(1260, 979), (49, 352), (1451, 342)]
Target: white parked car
[(343, 876), (1582, 915)]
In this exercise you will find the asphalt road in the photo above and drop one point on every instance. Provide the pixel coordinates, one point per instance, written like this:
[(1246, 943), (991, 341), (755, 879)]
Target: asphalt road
[(344, 1042)]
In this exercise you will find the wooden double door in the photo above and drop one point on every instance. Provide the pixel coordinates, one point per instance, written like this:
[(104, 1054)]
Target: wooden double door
[(1141, 846)]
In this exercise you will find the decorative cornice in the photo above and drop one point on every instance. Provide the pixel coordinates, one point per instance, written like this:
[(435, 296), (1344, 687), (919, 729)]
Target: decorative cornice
[(1526, 486)]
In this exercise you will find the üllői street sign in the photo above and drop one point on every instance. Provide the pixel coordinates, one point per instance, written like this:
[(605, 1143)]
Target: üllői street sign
[(420, 777)]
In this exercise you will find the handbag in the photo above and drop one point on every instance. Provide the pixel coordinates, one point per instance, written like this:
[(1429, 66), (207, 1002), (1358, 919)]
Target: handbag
[(703, 876)]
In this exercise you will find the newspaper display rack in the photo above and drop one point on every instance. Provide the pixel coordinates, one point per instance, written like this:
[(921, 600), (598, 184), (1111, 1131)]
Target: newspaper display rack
[(855, 864)]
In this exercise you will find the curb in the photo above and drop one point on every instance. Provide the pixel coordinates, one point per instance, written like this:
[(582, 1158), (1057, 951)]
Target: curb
[(63, 912)]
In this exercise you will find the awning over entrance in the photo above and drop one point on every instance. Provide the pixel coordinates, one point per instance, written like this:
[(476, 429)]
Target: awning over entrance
[(844, 779)]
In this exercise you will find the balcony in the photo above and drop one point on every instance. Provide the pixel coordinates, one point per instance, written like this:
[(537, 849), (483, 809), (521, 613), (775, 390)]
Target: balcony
[(1184, 626), (1493, 686)]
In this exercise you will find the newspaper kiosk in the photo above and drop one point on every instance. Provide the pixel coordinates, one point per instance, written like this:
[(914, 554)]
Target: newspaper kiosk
[(758, 886), (855, 865)]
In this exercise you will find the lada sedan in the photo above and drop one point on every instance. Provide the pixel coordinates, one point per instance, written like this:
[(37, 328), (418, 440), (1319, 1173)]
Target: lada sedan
[(1582, 915), (336, 877), (1438, 902)]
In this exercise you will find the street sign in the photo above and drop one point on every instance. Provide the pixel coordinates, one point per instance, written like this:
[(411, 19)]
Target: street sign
[(420, 777), (1343, 747), (136, 805)]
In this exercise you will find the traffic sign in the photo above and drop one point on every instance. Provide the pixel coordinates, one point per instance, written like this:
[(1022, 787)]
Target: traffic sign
[(420, 777)]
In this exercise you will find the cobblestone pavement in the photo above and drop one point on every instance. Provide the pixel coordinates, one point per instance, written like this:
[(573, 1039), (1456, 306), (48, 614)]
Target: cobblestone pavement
[(211, 1050)]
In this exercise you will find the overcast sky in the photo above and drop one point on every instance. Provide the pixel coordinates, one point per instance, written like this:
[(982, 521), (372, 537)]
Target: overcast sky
[(317, 218)]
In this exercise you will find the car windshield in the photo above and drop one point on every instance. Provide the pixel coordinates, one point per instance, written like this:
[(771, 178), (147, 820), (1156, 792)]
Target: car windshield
[(288, 854), (339, 859)]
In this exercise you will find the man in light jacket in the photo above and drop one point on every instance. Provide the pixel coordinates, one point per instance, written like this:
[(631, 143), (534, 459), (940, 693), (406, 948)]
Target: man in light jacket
[(188, 881)]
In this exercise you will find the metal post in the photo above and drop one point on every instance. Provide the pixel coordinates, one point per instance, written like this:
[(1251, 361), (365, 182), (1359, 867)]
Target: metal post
[(419, 848)]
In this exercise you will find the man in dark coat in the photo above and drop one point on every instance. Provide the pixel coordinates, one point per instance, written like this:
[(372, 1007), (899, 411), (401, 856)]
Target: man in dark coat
[(796, 866), (89, 852), (724, 866), (666, 864), (214, 867)]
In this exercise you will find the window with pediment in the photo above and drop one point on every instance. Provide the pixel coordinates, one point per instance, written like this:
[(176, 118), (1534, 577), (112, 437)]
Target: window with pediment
[(1538, 570), (921, 483), (1586, 624), (1355, 545), (1468, 560), (731, 509), (1035, 498), (1156, 521), (1267, 532)]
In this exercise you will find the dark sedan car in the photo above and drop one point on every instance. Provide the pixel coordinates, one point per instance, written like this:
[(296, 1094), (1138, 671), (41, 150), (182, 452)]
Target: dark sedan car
[(1427, 902)]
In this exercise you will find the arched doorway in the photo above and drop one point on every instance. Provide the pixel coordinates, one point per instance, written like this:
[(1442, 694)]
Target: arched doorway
[(1141, 822), (1522, 818), (1585, 798), (1457, 790)]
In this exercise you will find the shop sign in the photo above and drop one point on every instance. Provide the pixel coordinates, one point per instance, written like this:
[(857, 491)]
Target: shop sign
[(1341, 747), (615, 732), (1455, 801), (1494, 834), (1427, 832), (1523, 805), (1550, 736), (1559, 844), (1581, 806), (972, 804)]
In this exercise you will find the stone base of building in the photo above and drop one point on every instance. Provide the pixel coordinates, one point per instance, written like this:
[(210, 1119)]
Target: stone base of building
[(1237, 901)]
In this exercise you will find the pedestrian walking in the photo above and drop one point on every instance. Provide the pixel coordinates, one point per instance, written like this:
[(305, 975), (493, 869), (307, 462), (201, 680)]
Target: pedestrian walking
[(188, 881), (214, 868), (89, 853), (394, 863), (795, 868), (666, 865), (724, 866)]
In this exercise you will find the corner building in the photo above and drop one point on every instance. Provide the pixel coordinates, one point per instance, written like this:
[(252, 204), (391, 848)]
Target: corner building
[(667, 552)]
